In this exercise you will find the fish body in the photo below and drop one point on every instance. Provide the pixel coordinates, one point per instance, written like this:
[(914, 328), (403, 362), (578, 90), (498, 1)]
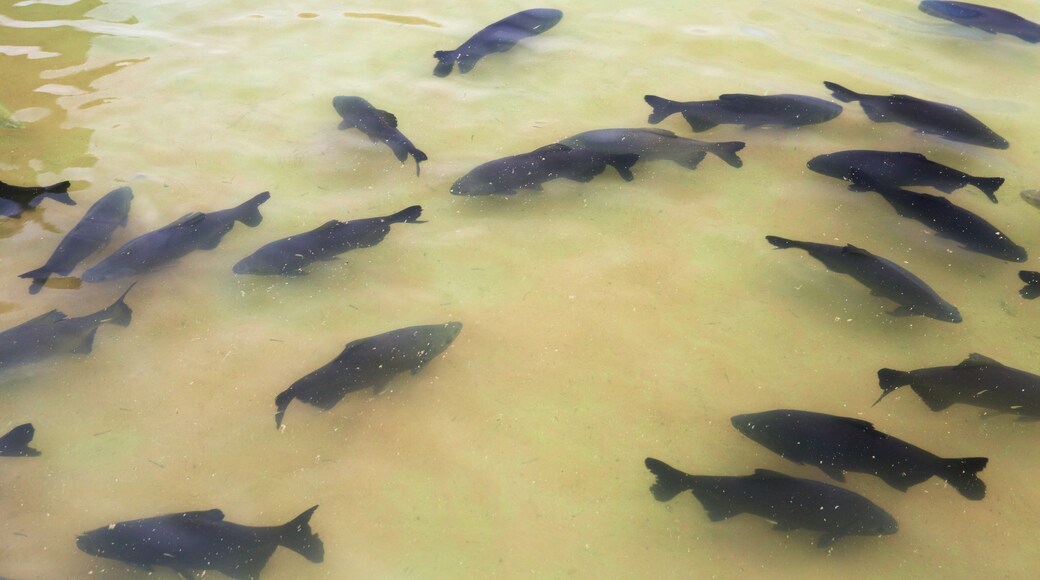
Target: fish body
[(498, 37), (792, 503), (15, 199), (15, 443), (978, 381), (840, 444), (194, 231), (289, 256), (379, 125), (747, 110), (992, 20), (883, 277), (369, 363), (946, 121), (197, 541), (88, 236), (1032, 288), (654, 144), (531, 170)]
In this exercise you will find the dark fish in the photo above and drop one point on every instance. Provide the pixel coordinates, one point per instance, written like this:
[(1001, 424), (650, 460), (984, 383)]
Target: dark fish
[(16, 442), (531, 170), (1032, 288), (191, 541), (289, 256), (194, 231), (946, 121), (978, 380), (747, 110), (654, 144), (369, 362), (899, 169), (993, 20), (15, 199), (88, 236), (498, 37), (790, 502), (840, 444), (54, 333), (884, 278), (378, 124)]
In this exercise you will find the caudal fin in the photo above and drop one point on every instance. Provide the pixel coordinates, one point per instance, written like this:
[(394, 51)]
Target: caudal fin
[(891, 380), (988, 185), (58, 192), (119, 313), (662, 108), (249, 212), (1032, 288), (16, 442), (670, 481), (841, 93), (962, 474), (445, 62), (727, 151), (39, 277), (781, 243), (419, 157), (282, 403), (298, 537), (408, 214)]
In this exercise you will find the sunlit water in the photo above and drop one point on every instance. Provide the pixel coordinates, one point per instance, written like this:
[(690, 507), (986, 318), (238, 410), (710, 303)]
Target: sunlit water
[(604, 322)]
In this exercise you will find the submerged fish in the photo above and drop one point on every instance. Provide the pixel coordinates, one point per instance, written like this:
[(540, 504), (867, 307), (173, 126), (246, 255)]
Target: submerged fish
[(289, 256), (899, 169), (192, 541), (16, 442), (369, 362), (15, 199), (498, 37), (978, 380), (654, 144), (88, 236), (194, 231), (531, 170), (378, 124), (747, 110), (1031, 196), (1032, 288), (993, 20), (884, 278), (946, 121), (790, 502), (54, 333), (840, 444)]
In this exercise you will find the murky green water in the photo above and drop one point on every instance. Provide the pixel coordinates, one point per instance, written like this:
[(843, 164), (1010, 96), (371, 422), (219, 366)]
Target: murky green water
[(604, 322)]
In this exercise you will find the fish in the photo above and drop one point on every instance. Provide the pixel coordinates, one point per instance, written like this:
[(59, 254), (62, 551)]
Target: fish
[(1031, 196), (946, 121), (839, 444), (899, 169), (16, 442), (989, 19), (54, 333), (791, 503), (202, 540), (654, 144), (369, 363), (978, 381), (498, 37), (378, 124), (1032, 288), (289, 256), (884, 278), (748, 110), (8, 120), (15, 199), (530, 170), (193, 231), (88, 236)]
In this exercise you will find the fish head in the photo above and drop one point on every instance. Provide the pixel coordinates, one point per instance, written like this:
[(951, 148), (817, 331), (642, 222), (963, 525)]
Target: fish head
[(349, 107), (107, 542), (108, 271), (946, 312), (442, 335), (830, 165), (760, 428), (258, 265), (472, 184), (877, 522)]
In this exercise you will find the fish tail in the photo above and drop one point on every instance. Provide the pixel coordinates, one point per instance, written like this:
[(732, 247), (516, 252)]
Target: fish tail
[(841, 93), (988, 185), (419, 157), (119, 313), (727, 151), (1029, 276), (38, 276), (58, 192), (298, 537), (16, 441), (781, 243), (249, 212), (282, 403), (662, 108), (962, 474), (623, 164), (670, 481), (891, 380), (408, 214), (445, 62)]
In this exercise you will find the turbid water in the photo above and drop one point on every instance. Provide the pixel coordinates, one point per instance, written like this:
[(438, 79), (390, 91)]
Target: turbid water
[(603, 322)]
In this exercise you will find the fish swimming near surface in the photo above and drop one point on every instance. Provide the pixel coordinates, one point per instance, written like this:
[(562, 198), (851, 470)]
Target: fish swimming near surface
[(899, 169), (978, 381), (289, 256), (884, 278), (378, 124), (189, 542), (946, 121), (530, 170), (791, 503), (498, 37), (992, 20), (88, 236), (54, 333), (747, 110), (1032, 288), (369, 363), (16, 442), (15, 199), (840, 444), (654, 144), (194, 231)]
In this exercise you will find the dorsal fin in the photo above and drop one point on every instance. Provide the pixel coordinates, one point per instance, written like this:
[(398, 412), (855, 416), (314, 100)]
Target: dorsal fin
[(865, 426), (553, 148), (188, 219), (46, 318), (213, 515), (738, 97), (328, 225), (661, 132), (387, 117), (770, 474), (976, 360), (850, 249)]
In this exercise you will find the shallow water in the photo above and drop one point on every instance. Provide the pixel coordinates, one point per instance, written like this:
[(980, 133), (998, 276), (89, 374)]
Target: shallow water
[(604, 322)]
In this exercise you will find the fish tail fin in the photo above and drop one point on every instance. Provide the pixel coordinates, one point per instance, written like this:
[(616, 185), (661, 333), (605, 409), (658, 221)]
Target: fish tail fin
[(419, 157), (119, 313), (670, 481), (445, 62), (16, 441), (727, 151), (249, 212), (1029, 276), (989, 186), (891, 380), (407, 215), (59, 192), (298, 537), (662, 108), (962, 474), (841, 93), (282, 403), (39, 277), (781, 243), (623, 164)]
